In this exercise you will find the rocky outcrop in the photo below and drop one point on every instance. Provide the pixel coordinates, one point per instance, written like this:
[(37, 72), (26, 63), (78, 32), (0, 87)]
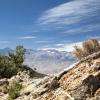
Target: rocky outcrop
[(83, 81), (80, 81), (87, 88)]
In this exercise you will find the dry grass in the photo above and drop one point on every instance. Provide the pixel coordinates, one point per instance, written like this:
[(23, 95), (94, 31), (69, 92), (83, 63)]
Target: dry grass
[(78, 52), (88, 47)]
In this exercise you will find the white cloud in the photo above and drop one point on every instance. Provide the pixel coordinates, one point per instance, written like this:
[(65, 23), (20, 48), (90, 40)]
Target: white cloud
[(60, 44), (70, 13), (69, 47), (87, 28), (73, 10), (27, 37), (63, 47), (43, 41), (4, 42)]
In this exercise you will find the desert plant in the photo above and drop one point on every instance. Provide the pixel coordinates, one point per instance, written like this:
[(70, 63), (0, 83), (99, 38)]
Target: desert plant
[(78, 52), (91, 46), (88, 47), (96, 45), (20, 54), (10, 65), (14, 90)]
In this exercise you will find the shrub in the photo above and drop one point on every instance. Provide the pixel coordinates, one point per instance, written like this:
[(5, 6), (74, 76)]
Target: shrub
[(96, 45), (10, 65), (13, 63), (78, 52), (14, 90), (88, 47)]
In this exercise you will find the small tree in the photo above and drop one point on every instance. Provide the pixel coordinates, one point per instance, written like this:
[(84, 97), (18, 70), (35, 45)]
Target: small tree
[(16, 59), (11, 64), (20, 52)]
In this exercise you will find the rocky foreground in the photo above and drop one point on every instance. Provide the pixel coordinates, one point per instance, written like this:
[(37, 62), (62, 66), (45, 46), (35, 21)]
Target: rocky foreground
[(80, 82)]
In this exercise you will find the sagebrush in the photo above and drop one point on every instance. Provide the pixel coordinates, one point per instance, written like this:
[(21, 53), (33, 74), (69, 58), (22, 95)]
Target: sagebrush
[(88, 47)]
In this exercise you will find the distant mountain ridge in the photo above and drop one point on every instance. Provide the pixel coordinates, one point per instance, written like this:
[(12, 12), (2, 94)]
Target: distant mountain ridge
[(49, 61), (45, 61), (5, 51)]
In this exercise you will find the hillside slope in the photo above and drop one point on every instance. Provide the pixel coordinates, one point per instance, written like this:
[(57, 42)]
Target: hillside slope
[(80, 82)]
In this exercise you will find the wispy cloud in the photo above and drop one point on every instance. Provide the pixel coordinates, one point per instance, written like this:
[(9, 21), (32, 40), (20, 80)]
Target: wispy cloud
[(4, 42), (68, 46), (42, 41), (27, 37), (76, 15), (83, 29), (63, 47), (60, 44)]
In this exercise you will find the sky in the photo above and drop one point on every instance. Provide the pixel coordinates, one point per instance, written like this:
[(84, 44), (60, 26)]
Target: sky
[(48, 24)]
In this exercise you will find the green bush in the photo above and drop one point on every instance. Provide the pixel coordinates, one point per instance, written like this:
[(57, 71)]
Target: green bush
[(14, 90), (13, 63)]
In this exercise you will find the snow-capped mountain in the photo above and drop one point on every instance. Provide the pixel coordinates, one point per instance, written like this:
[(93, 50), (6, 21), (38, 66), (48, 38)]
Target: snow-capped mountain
[(45, 61), (48, 61)]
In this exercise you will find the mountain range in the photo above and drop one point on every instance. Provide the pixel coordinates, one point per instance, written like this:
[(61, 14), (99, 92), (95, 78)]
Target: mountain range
[(45, 61)]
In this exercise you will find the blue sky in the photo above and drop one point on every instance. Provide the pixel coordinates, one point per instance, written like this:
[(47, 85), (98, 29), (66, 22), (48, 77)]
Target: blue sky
[(43, 24)]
